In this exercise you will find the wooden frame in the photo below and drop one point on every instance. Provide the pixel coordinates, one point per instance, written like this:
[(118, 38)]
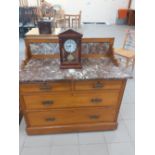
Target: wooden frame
[(129, 4), (54, 39)]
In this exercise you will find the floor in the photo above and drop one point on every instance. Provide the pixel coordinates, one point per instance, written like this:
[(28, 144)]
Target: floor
[(117, 142)]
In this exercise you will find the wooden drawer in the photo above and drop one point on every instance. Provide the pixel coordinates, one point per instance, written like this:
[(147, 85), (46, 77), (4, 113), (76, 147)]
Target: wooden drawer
[(71, 116), (105, 98), (46, 87), (79, 100), (47, 101), (98, 84)]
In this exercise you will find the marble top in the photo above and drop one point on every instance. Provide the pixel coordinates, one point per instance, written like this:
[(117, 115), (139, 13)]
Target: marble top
[(49, 69)]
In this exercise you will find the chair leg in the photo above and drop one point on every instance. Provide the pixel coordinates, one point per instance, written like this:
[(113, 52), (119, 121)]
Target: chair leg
[(67, 23), (55, 24), (78, 23), (69, 20), (63, 24), (133, 64), (127, 62), (72, 23)]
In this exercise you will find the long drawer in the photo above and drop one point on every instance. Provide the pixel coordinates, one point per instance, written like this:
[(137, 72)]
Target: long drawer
[(106, 98), (71, 116), (46, 87), (98, 84)]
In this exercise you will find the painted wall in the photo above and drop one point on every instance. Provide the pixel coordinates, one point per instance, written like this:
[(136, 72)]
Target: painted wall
[(133, 4), (92, 10), (32, 2)]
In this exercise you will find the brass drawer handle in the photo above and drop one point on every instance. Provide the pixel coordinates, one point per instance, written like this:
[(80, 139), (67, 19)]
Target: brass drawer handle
[(45, 87), (94, 117), (50, 119), (48, 102), (98, 85), (96, 100)]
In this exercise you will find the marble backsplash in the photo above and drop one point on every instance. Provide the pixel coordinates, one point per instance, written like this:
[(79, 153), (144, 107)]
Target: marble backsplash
[(53, 48)]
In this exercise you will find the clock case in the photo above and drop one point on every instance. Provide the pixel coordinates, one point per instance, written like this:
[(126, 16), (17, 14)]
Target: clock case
[(76, 36)]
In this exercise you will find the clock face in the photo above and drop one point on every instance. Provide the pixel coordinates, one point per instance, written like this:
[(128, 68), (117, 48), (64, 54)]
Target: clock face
[(70, 46)]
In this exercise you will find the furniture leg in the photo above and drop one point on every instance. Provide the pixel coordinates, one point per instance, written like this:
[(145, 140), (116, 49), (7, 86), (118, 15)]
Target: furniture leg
[(127, 62), (133, 64), (78, 23), (72, 22), (69, 22)]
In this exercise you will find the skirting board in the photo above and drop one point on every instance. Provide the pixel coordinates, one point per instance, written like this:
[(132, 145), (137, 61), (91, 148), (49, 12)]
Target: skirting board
[(94, 23), (72, 128)]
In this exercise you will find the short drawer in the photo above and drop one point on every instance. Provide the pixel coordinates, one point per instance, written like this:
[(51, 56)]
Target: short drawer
[(45, 87), (47, 101), (64, 101), (98, 84), (105, 98), (71, 116)]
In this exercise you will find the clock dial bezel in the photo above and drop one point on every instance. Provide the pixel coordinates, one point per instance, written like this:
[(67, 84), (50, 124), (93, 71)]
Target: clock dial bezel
[(72, 45)]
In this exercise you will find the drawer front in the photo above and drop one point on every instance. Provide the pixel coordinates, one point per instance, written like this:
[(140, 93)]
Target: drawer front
[(71, 116), (62, 101), (98, 84), (96, 99), (46, 87), (47, 101)]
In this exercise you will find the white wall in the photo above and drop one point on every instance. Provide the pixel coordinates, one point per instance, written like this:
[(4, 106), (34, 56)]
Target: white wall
[(92, 10), (102, 10), (133, 4), (32, 2)]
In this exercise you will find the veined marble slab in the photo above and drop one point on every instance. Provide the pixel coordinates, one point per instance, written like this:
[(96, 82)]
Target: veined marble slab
[(53, 48), (49, 69)]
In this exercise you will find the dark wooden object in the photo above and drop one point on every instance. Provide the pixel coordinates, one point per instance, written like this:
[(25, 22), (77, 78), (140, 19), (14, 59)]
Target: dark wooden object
[(64, 36), (45, 27), (131, 17)]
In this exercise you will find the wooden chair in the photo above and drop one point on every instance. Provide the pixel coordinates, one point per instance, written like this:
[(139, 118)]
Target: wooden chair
[(59, 18), (127, 51), (76, 20), (63, 20), (67, 18), (72, 19)]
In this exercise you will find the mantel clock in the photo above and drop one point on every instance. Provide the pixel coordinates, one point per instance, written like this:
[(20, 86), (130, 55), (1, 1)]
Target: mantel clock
[(70, 49)]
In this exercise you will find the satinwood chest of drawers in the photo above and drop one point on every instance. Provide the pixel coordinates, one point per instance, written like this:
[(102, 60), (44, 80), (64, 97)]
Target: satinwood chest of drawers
[(55, 100), (71, 105)]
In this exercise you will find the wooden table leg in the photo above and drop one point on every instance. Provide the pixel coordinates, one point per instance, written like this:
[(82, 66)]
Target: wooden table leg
[(127, 62), (133, 63), (69, 24)]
